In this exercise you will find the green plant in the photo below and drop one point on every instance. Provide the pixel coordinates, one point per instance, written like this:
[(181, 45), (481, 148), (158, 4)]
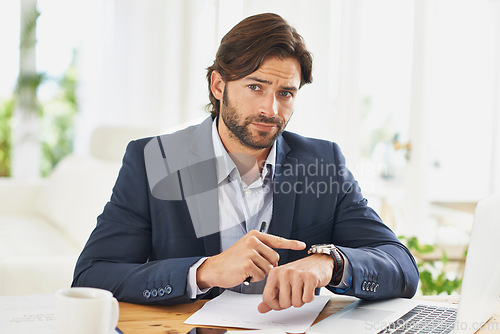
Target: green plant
[(434, 279), (6, 110), (28, 80), (56, 116), (58, 122)]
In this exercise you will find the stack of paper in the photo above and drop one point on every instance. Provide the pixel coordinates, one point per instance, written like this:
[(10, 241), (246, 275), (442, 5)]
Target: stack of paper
[(29, 314), (232, 309)]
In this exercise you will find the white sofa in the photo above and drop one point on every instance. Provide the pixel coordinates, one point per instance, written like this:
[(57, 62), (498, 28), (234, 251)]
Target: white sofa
[(44, 224)]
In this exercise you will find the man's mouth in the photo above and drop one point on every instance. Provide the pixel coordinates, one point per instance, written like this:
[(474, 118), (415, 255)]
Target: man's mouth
[(264, 126)]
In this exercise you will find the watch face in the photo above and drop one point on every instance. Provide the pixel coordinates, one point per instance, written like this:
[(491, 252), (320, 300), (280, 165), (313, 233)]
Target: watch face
[(321, 248), (329, 246)]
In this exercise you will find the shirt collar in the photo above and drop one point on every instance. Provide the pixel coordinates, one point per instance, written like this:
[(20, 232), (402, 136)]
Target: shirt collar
[(225, 165)]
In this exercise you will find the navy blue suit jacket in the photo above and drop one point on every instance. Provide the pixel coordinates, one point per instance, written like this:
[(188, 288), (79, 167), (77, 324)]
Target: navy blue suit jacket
[(144, 244)]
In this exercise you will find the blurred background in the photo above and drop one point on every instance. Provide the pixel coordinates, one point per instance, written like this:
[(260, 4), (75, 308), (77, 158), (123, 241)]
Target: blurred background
[(410, 90)]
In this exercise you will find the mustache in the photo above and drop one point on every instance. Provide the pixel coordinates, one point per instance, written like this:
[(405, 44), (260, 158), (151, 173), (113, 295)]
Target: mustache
[(269, 120)]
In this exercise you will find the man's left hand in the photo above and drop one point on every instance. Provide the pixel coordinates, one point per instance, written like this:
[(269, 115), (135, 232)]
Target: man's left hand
[(293, 284)]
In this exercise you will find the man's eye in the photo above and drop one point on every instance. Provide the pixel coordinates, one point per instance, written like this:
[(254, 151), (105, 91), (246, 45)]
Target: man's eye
[(286, 94), (254, 87)]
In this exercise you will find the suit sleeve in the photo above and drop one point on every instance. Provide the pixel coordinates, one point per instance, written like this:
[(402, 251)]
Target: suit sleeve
[(116, 256), (382, 267)]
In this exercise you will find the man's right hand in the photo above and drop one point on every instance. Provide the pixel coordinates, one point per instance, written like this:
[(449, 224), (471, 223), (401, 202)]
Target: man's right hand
[(251, 256)]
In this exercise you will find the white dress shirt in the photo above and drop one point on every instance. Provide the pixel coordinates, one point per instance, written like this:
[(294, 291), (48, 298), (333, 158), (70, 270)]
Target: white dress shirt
[(244, 207)]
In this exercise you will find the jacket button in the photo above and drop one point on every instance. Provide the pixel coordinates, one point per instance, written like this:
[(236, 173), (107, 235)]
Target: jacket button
[(146, 293), (168, 289), (372, 287), (154, 292), (363, 286), (161, 292), (376, 288)]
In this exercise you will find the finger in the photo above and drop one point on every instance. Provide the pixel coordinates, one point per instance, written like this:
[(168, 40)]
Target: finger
[(268, 254), (285, 295), (256, 268), (298, 293), (270, 294), (280, 242), (308, 292), (254, 243), (263, 267), (263, 308)]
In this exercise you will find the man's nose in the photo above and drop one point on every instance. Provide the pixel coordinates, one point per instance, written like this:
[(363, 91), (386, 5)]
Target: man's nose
[(269, 106)]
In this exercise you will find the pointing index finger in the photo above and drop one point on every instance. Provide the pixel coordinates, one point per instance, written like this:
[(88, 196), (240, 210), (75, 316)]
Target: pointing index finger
[(274, 241)]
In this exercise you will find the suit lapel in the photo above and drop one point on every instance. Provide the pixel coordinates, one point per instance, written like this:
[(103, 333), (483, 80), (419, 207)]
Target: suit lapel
[(203, 181), (204, 202), (284, 195)]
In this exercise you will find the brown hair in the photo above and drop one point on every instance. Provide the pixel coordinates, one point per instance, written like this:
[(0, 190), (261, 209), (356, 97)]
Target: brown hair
[(243, 49)]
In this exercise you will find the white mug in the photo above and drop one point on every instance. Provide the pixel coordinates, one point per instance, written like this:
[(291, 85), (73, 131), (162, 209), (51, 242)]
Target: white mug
[(86, 310)]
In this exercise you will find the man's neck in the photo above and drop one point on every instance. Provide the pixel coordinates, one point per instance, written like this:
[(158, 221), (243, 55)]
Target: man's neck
[(249, 162), (234, 147)]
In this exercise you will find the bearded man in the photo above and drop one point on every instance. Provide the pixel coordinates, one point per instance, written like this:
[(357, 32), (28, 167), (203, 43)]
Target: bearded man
[(238, 203)]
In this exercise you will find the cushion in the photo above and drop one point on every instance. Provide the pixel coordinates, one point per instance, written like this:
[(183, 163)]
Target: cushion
[(76, 193), (35, 274), (30, 236)]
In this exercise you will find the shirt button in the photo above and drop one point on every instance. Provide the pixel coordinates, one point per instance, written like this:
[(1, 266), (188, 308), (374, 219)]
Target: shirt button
[(247, 192)]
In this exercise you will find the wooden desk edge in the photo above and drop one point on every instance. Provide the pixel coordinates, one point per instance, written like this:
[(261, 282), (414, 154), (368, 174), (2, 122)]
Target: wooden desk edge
[(136, 318)]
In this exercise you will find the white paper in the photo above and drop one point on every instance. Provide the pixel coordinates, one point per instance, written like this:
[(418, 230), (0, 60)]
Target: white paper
[(28, 314), (232, 309), (258, 331)]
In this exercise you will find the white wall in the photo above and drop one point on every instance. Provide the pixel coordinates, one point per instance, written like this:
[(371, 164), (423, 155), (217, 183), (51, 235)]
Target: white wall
[(424, 66), (428, 70), (145, 62)]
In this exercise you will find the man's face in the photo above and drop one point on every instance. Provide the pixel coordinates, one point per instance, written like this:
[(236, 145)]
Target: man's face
[(255, 109)]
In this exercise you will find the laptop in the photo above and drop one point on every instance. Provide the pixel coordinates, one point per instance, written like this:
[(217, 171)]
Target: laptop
[(478, 299)]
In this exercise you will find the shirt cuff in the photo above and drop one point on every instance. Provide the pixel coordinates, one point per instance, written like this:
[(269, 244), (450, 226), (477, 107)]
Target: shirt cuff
[(345, 282), (191, 287)]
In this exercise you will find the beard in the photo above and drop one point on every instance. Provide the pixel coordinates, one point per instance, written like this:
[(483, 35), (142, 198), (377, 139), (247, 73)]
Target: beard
[(239, 127)]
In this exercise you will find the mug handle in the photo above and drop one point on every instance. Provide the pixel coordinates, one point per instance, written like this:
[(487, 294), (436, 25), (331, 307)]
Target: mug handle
[(115, 312)]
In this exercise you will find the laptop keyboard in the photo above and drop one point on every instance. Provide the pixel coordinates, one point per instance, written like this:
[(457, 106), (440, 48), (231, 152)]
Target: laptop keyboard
[(424, 319)]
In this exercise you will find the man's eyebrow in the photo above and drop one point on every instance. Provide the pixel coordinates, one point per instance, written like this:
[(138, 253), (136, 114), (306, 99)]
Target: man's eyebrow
[(292, 88), (259, 80)]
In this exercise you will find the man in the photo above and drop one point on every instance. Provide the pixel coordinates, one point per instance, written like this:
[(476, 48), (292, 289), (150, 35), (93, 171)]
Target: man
[(235, 202)]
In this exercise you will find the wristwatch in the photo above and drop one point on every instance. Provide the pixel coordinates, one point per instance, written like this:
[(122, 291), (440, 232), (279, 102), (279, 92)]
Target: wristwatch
[(331, 250)]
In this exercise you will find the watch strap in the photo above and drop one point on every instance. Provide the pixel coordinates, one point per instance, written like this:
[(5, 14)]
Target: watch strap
[(337, 260), (326, 249)]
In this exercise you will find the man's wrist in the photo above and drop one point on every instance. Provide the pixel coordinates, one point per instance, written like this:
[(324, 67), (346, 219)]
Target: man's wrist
[(192, 287), (338, 267), (201, 277), (335, 255)]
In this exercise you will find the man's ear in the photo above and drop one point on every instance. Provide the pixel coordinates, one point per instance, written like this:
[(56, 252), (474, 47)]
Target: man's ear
[(217, 85)]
